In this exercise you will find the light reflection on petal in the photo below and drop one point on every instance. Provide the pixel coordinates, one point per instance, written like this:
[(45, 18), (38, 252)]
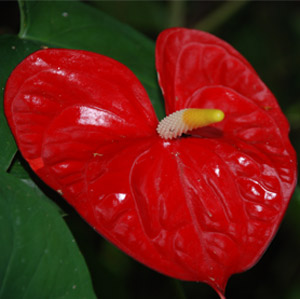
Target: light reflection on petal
[(217, 171), (255, 191), (270, 195), (89, 116), (258, 208), (40, 62), (243, 161), (120, 196)]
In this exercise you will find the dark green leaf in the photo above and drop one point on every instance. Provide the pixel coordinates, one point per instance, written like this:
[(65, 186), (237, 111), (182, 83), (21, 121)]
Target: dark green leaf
[(17, 168), (39, 257)]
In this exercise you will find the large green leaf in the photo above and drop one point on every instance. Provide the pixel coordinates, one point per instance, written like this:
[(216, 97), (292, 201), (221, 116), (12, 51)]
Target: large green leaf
[(78, 26), (39, 257)]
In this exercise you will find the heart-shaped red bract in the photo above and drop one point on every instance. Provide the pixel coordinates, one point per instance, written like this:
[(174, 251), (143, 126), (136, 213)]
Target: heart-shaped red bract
[(200, 207)]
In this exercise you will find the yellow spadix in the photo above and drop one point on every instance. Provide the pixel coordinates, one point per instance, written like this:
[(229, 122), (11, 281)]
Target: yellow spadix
[(182, 121)]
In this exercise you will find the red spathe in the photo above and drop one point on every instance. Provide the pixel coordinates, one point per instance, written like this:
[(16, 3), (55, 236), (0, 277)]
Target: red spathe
[(200, 207)]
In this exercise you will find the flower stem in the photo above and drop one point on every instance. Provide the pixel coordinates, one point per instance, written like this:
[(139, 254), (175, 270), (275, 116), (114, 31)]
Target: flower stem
[(177, 13), (179, 289), (221, 15)]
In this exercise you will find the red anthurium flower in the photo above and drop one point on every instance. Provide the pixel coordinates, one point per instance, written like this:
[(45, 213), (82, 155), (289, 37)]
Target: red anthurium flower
[(198, 207)]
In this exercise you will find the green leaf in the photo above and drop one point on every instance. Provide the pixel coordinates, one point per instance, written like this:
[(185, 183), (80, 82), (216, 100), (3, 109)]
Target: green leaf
[(39, 257), (78, 26), (17, 169)]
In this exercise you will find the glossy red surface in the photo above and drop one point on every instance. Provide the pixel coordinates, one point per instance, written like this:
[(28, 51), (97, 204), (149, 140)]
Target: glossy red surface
[(200, 207)]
